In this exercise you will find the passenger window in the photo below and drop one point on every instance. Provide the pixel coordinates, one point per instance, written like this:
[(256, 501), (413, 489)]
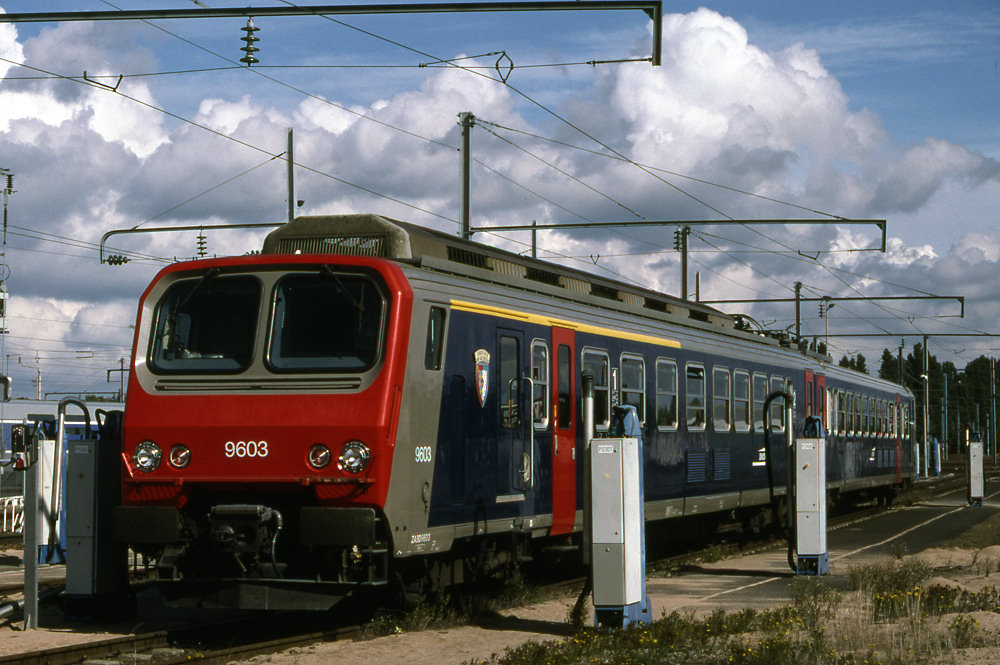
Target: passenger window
[(565, 376), (830, 408), (841, 412), (759, 397), (741, 401), (778, 405), (666, 394), (694, 396), (435, 338), (596, 362), (510, 374), (850, 412), (865, 424), (540, 381), (857, 414), (721, 396), (633, 389)]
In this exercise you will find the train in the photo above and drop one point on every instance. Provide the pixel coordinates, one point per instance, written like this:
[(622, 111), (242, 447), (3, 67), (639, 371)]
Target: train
[(367, 403)]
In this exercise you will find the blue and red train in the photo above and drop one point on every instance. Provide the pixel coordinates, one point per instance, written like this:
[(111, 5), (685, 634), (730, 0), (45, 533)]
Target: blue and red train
[(369, 401)]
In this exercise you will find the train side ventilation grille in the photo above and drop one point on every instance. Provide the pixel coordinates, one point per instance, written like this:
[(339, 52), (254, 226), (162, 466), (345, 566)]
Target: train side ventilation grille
[(355, 245), (697, 466), (721, 464), (468, 257)]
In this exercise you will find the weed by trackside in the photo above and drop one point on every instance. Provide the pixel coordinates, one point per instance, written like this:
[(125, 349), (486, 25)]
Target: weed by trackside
[(884, 621)]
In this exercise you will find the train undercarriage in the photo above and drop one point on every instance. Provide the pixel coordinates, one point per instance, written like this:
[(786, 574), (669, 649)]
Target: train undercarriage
[(255, 556)]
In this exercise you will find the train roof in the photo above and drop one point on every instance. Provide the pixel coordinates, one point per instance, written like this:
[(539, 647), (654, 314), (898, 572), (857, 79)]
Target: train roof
[(374, 235), (378, 236)]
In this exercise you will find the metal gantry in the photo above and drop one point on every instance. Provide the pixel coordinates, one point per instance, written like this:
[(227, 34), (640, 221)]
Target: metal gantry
[(653, 8)]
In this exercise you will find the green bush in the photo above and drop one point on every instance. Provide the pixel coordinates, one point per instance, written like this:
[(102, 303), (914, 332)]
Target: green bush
[(963, 629)]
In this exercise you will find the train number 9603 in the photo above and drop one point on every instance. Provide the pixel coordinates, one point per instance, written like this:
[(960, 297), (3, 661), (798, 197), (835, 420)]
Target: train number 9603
[(246, 448)]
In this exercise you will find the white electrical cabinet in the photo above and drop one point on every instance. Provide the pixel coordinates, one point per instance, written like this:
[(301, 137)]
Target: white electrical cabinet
[(617, 544), (975, 473), (810, 507)]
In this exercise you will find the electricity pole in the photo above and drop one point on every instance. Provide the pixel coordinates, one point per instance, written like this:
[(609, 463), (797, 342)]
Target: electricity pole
[(466, 121), (121, 371)]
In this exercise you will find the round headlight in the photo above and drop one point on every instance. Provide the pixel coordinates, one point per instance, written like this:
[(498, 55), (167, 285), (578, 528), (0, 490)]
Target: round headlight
[(180, 456), (319, 456), (354, 457), (147, 456)]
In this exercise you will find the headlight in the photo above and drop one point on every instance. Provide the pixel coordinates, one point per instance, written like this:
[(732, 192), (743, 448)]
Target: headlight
[(147, 456), (319, 456), (354, 457), (180, 456)]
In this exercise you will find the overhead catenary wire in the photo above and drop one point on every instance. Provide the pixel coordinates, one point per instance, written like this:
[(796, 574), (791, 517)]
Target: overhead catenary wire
[(451, 63), (626, 159), (246, 144)]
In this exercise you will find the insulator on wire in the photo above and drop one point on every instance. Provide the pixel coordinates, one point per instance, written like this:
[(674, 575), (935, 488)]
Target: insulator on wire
[(202, 245), (249, 39), (117, 260)]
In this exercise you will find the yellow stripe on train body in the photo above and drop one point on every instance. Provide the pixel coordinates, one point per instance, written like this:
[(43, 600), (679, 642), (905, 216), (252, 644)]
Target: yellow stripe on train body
[(479, 308)]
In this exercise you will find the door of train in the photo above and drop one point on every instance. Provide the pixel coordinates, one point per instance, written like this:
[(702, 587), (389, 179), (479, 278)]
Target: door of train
[(816, 396), (515, 460), (564, 419)]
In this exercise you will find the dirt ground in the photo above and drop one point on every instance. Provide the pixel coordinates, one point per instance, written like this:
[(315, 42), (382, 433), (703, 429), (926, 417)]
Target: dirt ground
[(542, 622), (971, 570), (967, 568)]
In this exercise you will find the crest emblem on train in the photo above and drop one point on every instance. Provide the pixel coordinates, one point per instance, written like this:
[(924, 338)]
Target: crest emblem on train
[(482, 374)]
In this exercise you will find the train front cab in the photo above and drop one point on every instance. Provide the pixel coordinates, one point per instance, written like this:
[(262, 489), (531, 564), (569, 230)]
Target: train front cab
[(260, 426)]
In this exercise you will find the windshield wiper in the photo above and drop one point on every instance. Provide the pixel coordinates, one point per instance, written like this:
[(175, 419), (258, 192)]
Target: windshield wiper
[(173, 343), (209, 274), (328, 272)]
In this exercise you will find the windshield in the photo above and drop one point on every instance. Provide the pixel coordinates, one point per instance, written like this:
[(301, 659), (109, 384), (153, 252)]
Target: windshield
[(326, 321), (207, 324)]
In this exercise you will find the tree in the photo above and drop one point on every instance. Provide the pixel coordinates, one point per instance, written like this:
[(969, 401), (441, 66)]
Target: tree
[(968, 391), (889, 367), (857, 363)]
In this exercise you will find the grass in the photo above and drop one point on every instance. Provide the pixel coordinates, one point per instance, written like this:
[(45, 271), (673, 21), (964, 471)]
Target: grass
[(888, 617)]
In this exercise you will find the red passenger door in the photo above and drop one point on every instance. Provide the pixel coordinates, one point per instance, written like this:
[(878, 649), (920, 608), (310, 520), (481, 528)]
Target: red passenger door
[(564, 418)]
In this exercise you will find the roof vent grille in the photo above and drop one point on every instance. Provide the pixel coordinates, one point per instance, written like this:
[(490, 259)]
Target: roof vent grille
[(468, 257)]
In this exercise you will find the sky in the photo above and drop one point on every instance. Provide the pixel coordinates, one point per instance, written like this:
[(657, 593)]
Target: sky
[(759, 110)]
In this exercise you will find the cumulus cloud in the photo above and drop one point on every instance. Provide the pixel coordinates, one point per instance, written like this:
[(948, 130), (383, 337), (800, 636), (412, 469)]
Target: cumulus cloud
[(720, 109), (921, 170)]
